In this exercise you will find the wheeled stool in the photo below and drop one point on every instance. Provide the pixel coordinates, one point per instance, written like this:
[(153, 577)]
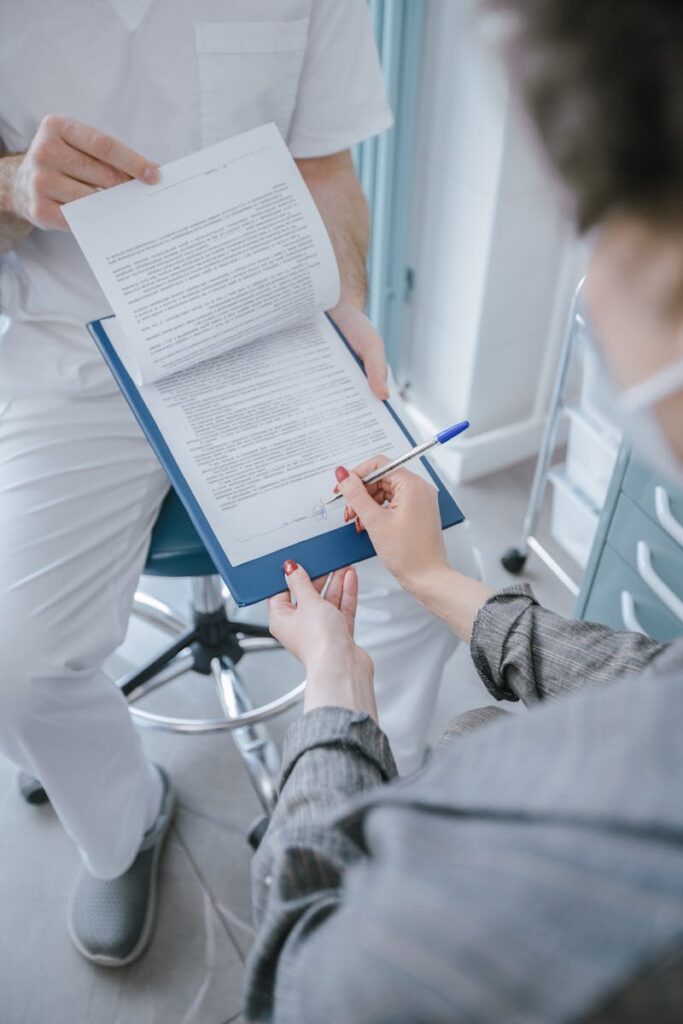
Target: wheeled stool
[(211, 644)]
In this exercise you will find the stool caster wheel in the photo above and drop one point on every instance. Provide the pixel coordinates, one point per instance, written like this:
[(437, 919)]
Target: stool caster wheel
[(31, 790), (513, 560), (256, 832)]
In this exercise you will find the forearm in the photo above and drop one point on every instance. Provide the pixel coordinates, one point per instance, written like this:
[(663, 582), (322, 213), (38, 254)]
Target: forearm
[(330, 755), (12, 228), (339, 197), (453, 597)]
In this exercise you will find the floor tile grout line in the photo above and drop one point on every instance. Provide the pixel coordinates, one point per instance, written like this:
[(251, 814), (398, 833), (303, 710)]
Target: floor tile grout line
[(223, 826), (207, 889)]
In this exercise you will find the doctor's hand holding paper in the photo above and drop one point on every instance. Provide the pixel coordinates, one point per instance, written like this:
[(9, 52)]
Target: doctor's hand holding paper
[(67, 160)]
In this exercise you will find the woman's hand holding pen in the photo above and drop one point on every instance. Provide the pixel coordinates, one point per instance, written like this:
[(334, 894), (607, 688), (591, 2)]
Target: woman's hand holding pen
[(319, 632), (401, 515)]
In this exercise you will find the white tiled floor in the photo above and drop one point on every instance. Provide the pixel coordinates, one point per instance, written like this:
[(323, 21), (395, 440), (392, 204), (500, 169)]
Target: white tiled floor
[(192, 971)]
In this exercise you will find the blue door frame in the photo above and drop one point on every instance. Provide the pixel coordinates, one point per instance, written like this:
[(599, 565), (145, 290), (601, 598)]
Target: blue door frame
[(384, 165)]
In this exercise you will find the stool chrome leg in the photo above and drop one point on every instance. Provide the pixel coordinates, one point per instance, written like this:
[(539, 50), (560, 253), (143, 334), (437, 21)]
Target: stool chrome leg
[(182, 663), (207, 593), (258, 733), (256, 644), (159, 614), (257, 749)]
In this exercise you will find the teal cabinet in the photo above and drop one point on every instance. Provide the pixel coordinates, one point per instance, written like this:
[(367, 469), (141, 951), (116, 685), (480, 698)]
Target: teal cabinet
[(634, 577)]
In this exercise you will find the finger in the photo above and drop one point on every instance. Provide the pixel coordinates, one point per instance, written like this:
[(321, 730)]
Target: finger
[(358, 498), (109, 150), (385, 489), (299, 582), (371, 352), (364, 469), (65, 190), (377, 492), (404, 484), (280, 601), (88, 170), (280, 608), (370, 465), (50, 216), (319, 583), (349, 598), (376, 370), (334, 591)]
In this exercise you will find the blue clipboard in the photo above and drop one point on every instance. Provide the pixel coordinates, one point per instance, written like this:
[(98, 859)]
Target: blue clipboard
[(261, 578)]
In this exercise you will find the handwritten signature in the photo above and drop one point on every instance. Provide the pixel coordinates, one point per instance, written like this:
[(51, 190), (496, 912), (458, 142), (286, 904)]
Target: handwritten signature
[(320, 511)]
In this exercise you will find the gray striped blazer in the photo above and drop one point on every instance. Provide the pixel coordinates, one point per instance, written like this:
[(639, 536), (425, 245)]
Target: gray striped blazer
[(531, 873)]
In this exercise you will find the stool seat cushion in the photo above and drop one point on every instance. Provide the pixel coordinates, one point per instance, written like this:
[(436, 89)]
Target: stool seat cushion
[(175, 548)]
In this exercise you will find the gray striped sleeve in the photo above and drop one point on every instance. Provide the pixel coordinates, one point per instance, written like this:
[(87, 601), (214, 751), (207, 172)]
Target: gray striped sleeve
[(329, 755), (524, 652)]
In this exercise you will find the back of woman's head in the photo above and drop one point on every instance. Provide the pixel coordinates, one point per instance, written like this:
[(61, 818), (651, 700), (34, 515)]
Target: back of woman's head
[(603, 83)]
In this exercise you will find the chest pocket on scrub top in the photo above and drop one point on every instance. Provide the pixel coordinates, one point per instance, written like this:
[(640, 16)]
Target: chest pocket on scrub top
[(248, 74)]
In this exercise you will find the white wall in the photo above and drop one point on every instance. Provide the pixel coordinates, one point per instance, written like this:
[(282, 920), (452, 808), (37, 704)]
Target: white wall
[(492, 252)]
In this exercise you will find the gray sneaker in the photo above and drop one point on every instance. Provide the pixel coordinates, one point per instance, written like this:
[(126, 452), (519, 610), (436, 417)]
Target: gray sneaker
[(111, 922)]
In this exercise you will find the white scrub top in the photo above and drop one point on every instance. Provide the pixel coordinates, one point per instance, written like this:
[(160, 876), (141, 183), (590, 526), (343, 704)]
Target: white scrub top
[(166, 77)]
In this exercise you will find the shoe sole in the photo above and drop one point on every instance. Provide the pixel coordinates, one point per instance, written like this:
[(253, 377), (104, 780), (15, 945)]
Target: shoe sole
[(150, 917)]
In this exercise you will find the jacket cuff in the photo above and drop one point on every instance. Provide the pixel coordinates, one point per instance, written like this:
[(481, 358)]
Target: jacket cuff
[(494, 622), (354, 731)]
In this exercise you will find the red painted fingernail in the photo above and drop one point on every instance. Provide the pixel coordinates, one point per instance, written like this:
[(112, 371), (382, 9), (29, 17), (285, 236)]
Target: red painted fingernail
[(347, 515), (290, 567), (341, 473), (359, 528)]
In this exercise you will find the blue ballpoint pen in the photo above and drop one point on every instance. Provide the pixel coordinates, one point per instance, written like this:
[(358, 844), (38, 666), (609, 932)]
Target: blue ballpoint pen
[(441, 438)]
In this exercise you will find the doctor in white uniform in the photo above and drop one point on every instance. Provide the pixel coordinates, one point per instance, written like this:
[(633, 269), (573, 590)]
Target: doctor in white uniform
[(137, 83)]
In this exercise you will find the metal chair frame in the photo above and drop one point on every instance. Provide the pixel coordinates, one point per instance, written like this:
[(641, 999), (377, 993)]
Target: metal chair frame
[(212, 645), (514, 559)]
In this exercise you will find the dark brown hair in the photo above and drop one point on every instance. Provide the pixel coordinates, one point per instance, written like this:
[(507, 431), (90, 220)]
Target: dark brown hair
[(603, 83)]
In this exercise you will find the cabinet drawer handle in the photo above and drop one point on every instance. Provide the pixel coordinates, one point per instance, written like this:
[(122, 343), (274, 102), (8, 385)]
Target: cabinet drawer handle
[(628, 614), (656, 583), (666, 517)]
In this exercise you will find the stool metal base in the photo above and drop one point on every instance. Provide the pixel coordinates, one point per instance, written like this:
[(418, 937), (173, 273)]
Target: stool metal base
[(212, 646), (180, 658)]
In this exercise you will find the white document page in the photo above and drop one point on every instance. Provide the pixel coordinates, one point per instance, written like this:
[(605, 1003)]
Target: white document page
[(228, 247), (258, 432)]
